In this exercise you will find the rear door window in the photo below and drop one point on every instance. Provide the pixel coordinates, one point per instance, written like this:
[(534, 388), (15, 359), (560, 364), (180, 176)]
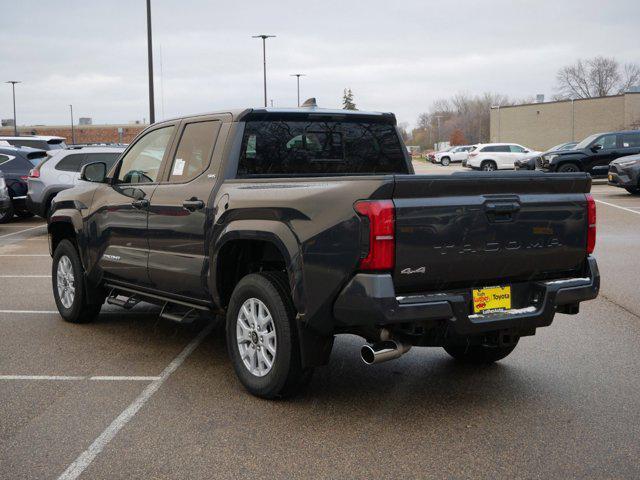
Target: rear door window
[(630, 140), (313, 147), (194, 151), (71, 163)]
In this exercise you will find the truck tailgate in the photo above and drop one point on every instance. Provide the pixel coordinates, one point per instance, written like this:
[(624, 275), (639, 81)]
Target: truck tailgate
[(479, 229)]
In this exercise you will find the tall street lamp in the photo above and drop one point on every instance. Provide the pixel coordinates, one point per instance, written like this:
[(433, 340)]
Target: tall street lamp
[(264, 61), (73, 135), (298, 75), (152, 110), (13, 88)]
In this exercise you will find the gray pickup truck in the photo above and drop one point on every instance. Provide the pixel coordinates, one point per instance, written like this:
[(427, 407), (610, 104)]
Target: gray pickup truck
[(301, 224)]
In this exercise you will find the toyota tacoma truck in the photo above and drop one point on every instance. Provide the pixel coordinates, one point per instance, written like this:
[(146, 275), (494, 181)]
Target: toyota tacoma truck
[(296, 225)]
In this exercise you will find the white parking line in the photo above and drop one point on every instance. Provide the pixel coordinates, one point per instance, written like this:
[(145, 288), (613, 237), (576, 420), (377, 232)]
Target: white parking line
[(21, 231), (618, 206), (84, 460), (97, 378)]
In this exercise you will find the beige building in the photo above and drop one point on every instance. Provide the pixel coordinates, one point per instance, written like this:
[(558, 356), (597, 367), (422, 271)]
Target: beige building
[(543, 125)]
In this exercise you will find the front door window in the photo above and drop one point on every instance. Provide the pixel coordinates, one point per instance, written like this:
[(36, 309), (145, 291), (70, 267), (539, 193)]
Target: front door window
[(142, 163)]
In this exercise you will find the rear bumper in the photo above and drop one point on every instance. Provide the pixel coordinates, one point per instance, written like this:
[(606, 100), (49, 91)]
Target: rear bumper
[(35, 207), (370, 300), (20, 203)]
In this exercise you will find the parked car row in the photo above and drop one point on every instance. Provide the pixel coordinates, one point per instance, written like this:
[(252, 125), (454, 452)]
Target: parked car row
[(31, 177)]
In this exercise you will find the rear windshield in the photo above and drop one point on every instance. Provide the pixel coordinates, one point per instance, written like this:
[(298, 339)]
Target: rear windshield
[(287, 148)]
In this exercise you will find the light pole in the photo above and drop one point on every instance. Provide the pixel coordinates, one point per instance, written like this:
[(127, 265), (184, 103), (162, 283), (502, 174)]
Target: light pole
[(152, 112), (264, 61), (73, 135), (13, 88), (298, 75)]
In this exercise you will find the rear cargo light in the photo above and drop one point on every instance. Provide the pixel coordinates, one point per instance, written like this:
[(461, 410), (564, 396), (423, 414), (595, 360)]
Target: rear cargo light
[(381, 216), (591, 223)]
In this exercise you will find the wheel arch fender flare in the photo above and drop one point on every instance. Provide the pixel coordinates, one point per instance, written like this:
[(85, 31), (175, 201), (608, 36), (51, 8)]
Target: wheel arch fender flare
[(272, 231)]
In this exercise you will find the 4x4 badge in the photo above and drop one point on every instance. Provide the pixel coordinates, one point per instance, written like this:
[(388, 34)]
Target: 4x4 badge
[(409, 271)]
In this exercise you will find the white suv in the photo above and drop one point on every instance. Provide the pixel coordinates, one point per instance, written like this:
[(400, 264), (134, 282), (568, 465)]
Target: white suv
[(497, 156), (62, 171), (454, 154)]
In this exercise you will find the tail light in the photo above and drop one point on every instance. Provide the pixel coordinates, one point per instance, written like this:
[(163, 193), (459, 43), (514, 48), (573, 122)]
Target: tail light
[(24, 177), (381, 219), (591, 223), (472, 154), (34, 173)]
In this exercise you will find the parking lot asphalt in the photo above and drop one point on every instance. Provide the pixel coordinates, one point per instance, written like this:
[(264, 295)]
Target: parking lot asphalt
[(134, 396)]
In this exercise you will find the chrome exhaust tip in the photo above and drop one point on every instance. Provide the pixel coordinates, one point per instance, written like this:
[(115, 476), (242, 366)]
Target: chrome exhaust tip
[(383, 351)]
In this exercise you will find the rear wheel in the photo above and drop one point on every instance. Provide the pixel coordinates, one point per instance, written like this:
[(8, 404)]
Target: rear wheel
[(262, 337), (68, 285), (633, 190), (24, 214), (488, 166), (446, 161), (568, 168), (7, 214), (479, 354)]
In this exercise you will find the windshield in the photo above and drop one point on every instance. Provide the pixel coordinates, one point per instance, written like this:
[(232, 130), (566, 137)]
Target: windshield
[(281, 147), (585, 143)]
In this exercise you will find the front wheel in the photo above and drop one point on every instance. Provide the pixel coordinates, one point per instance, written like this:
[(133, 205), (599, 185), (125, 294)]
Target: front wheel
[(446, 161), (479, 354), (569, 168), (69, 289), (262, 337)]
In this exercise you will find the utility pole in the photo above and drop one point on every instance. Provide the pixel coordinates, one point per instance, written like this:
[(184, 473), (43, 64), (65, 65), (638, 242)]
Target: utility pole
[(264, 61), (73, 135), (438, 117), (152, 113), (13, 88), (298, 75)]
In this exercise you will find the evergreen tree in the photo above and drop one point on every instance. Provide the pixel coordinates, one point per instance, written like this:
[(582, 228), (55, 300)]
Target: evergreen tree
[(347, 100)]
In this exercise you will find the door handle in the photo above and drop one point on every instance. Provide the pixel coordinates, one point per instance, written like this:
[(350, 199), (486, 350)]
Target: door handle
[(193, 204), (140, 204), (502, 207)]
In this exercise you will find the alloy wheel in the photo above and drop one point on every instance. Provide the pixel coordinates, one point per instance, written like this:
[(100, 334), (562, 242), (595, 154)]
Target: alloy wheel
[(256, 337), (65, 281)]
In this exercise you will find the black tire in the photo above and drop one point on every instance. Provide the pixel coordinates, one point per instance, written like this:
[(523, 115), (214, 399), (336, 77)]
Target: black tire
[(569, 168), (24, 214), (79, 310), (7, 215), (445, 161), (286, 376), (488, 166), (479, 354), (633, 190)]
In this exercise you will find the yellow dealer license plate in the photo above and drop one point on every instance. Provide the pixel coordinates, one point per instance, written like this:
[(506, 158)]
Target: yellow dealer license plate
[(491, 299), (610, 178)]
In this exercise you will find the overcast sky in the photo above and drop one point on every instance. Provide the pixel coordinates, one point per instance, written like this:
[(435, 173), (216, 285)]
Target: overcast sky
[(395, 55)]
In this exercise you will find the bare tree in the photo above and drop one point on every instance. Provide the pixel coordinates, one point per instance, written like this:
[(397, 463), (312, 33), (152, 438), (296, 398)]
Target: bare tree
[(595, 77)]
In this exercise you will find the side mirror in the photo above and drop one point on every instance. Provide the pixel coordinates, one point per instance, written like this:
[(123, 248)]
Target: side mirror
[(94, 172), (526, 151), (597, 147)]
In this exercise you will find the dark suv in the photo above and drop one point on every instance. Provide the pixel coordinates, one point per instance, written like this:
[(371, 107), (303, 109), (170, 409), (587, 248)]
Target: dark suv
[(593, 154)]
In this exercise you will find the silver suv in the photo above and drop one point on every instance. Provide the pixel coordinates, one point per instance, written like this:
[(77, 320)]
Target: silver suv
[(62, 171)]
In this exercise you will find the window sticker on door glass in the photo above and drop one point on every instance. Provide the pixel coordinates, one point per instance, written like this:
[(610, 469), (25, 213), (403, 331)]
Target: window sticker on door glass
[(178, 167)]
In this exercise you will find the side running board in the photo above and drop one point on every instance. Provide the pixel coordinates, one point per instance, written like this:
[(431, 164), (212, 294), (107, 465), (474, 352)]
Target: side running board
[(174, 310)]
